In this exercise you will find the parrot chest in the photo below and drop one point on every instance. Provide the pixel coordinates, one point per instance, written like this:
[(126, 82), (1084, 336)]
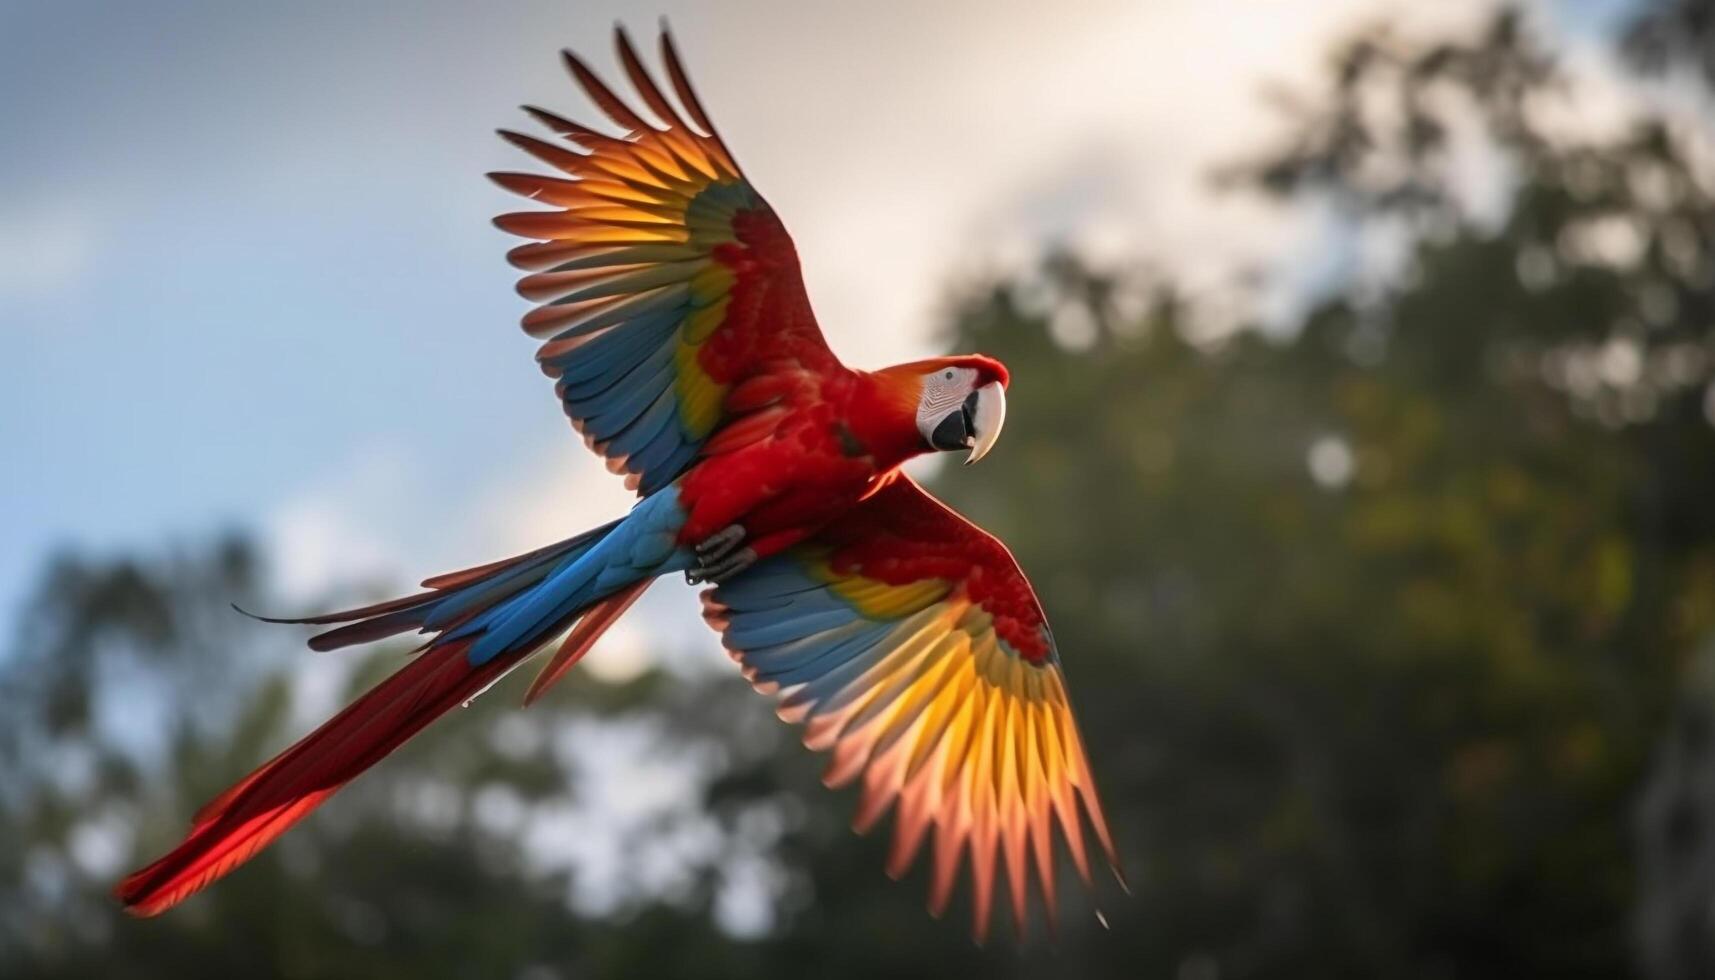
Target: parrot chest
[(778, 492), (785, 481)]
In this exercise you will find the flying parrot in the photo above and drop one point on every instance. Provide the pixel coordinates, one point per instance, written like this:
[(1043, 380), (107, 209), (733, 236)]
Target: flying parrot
[(905, 639)]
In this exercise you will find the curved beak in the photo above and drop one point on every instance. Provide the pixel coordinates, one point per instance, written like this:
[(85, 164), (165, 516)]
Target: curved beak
[(986, 418)]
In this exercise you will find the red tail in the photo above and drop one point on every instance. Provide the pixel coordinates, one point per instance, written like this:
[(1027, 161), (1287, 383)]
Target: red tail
[(238, 823), (583, 636), (246, 818)]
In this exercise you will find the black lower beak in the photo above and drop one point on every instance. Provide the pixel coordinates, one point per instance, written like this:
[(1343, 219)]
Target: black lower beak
[(956, 431)]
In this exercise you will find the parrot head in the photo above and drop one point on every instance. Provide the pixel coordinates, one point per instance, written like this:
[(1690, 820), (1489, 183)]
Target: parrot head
[(961, 403)]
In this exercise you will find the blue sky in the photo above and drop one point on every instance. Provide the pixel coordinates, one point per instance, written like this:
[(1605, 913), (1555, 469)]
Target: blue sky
[(247, 277)]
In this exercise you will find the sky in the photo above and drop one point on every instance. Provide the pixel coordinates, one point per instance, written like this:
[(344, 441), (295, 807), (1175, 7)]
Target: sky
[(248, 280)]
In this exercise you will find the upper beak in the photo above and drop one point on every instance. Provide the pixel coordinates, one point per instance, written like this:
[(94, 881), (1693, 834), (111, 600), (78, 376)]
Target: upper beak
[(987, 417)]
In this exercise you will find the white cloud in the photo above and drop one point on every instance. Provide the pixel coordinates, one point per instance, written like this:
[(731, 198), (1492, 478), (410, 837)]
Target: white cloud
[(560, 491), (339, 533), (43, 249), (907, 157)]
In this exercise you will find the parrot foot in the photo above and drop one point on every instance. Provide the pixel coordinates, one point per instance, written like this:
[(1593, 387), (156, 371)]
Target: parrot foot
[(720, 558), (721, 570), (719, 544)]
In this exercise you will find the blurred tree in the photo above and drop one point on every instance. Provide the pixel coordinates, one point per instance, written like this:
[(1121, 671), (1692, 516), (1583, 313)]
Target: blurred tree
[(127, 708), (1676, 854), (1587, 305), (1669, 34), (1378, 627)]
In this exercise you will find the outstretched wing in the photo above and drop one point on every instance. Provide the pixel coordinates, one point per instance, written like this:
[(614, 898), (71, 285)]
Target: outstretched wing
[(912, 647), (663, 277)]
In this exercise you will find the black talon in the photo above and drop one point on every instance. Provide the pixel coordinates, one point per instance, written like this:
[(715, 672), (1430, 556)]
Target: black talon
[(717, 557), (717, 545), (719, 571)]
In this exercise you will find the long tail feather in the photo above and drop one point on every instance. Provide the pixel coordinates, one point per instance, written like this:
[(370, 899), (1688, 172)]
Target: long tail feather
[(471, 588), (485, 622), (239, 823), (583, 636)]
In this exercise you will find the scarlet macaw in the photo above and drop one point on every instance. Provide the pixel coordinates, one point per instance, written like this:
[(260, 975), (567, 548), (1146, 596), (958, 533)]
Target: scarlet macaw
[(678, 331)]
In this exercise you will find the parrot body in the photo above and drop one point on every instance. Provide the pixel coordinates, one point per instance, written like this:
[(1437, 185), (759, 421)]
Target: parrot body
[(678, 331)]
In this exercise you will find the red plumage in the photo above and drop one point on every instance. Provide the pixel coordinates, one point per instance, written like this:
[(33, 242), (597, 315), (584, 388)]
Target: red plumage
[(234, 826)]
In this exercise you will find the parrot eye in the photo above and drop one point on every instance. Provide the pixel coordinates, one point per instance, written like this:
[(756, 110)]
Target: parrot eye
[(948, 375)]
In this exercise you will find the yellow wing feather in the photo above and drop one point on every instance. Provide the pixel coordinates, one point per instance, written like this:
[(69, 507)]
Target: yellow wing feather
[(916, 698)]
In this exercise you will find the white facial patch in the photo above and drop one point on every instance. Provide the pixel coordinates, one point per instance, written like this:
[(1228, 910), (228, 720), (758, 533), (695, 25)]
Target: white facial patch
[(943, 391)]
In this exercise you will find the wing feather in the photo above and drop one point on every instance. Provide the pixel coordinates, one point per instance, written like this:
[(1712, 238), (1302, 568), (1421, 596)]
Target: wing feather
[(653, 222), (910, 646)]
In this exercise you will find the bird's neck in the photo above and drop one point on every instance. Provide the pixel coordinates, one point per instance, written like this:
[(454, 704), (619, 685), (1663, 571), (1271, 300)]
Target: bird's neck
[(881, 417)]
